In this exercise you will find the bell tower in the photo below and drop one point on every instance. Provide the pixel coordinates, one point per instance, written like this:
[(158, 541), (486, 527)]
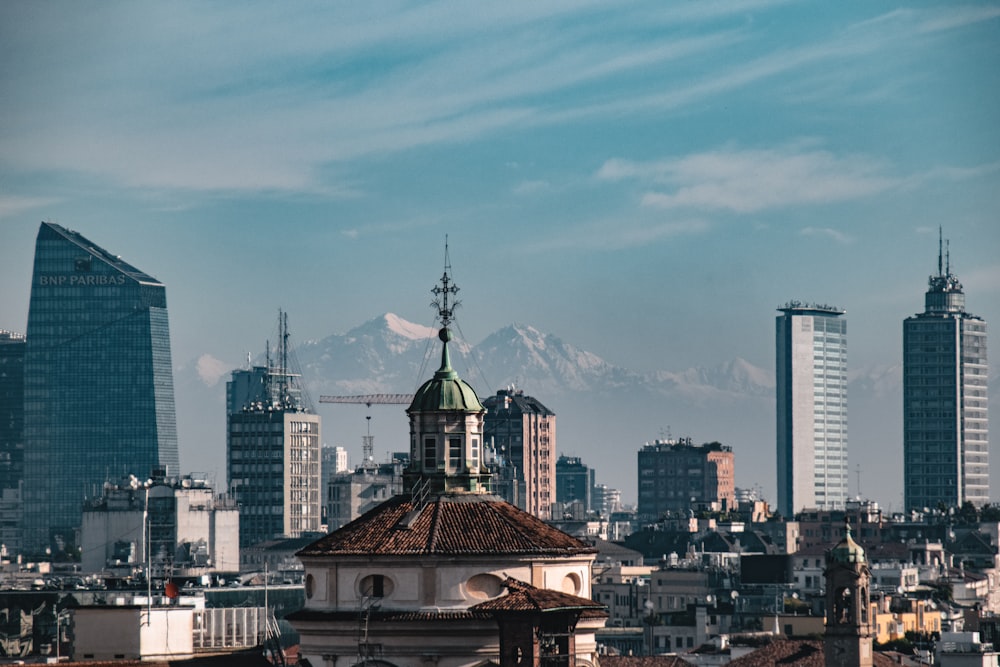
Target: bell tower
[(446, 419), (848, 639)]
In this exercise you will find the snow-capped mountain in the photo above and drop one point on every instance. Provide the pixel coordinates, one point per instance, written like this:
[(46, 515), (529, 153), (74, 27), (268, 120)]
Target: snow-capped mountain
[(605, 412)]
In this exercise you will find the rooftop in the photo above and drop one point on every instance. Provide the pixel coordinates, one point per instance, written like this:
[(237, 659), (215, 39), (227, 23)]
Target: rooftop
[(448, 524)]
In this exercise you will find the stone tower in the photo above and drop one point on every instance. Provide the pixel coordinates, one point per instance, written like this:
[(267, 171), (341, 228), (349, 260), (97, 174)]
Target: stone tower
[(848, 640)]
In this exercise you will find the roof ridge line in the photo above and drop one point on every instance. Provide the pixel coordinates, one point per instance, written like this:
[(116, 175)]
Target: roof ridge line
[(432, 534)]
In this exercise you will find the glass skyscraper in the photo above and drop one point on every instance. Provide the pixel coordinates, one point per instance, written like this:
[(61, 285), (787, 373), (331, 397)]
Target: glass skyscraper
[(945, 434), (99, 392), (811, 366)]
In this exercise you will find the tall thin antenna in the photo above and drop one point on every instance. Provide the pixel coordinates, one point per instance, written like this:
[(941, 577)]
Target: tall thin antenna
[(947, 257), (283, 357), (940, 248)]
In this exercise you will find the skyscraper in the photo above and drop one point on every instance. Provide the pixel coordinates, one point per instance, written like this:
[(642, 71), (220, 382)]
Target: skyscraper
[(273, 450), (525, 430), (99, 390), (945, 426), (11, 438), (811, 366)]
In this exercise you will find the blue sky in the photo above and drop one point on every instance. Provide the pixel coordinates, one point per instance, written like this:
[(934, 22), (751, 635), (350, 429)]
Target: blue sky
[(647, 180)]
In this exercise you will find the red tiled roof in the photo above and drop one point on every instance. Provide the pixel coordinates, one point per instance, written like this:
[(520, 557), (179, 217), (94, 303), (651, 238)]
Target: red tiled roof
[(797, 652), (643, 661), (447, 525), (525, 597)]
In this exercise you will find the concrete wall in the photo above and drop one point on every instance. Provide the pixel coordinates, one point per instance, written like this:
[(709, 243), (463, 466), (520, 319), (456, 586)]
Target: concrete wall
[(109, 633)]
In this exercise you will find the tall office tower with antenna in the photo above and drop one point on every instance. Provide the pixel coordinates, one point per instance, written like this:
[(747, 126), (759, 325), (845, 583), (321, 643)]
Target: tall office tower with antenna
[(98, 383), (945, 424), (811, 368), (273, 456)]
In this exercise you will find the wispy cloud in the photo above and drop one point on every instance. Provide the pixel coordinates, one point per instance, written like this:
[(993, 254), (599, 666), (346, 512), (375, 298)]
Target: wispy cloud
[(827, 233), (525, 188), (271, 108), (956, 17), (615, 235), (13, 205), (751, 180)]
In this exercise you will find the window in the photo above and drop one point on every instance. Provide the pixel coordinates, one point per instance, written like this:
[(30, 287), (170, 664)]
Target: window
[(376, 586), (455, 453), (430, 453)]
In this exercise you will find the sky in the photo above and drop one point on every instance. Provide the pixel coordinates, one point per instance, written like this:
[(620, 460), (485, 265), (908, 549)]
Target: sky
[(647, 180)]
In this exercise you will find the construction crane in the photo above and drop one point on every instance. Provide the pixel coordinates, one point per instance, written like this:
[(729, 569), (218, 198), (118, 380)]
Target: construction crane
[(368, 442)]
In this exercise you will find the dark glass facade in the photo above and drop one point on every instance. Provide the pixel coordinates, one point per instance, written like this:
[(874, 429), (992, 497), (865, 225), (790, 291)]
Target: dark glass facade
[(11, 409), (99, 394), (11, 438), (945, 400)]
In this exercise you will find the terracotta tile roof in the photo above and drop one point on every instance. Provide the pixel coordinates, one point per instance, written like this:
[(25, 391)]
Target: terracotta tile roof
[(643, 661), (447, 525), (527, 598), (797, 652)]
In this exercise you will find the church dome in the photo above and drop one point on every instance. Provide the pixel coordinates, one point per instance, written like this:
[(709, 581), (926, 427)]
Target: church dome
[(847, 550), (445, 391)]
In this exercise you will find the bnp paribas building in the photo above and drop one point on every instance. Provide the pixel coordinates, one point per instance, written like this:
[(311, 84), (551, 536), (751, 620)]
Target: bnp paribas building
[(99, 392)]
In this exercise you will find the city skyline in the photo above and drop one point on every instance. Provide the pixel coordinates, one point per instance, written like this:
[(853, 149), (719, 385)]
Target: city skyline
[(649, 182)]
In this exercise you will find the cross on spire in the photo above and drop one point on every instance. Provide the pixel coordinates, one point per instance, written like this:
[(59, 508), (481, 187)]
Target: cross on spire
[(446, 312)]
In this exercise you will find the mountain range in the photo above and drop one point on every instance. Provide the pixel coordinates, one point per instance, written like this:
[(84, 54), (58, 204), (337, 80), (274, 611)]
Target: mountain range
[(605, 413)]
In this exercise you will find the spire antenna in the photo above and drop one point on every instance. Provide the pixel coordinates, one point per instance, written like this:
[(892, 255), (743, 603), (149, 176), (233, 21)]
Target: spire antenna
[(940, 249), (445, 310)]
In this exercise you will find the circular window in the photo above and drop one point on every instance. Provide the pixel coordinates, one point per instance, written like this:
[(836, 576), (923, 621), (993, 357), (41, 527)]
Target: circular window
[(310, 583), (571, 584), (484, 586)]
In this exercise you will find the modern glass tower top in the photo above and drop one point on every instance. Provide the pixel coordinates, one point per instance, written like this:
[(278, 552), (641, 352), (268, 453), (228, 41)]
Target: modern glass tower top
[(945, 421), (99, 392)]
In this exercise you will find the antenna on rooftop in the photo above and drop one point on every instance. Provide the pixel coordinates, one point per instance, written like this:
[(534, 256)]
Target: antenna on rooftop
[(940, 248)]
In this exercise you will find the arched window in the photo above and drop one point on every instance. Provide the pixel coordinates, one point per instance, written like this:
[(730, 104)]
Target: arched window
[(375, 586)]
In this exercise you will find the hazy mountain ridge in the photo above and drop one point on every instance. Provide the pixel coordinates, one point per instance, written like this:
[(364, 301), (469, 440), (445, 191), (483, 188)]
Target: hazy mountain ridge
[(386, 354), (605, 412)]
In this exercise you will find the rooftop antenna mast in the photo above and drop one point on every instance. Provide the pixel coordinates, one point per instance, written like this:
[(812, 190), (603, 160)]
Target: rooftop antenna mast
[(283, 355), (446, 312), (940, 250)]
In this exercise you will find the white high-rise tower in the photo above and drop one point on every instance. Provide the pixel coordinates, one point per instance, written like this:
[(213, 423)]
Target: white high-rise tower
[(812, 407)]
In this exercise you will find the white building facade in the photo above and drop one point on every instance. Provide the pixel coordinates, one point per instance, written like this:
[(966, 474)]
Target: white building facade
[(811, 368)]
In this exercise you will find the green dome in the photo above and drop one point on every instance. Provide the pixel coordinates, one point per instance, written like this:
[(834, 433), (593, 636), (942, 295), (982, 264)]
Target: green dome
[(445, 391), (847, 550)]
